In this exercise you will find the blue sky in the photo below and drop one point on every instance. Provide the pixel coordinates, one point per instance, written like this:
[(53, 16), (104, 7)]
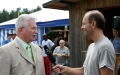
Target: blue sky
[(14, 4)]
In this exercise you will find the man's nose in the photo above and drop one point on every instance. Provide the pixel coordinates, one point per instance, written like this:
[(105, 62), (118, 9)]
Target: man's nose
[(82, 27)]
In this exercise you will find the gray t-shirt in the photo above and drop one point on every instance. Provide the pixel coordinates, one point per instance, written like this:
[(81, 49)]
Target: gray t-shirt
[(60, 59), (99, 54)]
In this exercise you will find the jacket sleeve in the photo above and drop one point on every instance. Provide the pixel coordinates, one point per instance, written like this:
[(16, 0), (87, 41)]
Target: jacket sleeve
[(4, 63)]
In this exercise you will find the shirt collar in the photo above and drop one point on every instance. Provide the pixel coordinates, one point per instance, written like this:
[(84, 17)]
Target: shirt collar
[(24, 45)]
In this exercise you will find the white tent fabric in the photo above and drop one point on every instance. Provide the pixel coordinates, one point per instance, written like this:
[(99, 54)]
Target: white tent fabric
[(44, 15)]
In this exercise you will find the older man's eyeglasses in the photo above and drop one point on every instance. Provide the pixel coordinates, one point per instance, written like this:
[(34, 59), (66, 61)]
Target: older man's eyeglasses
[(32, 28)]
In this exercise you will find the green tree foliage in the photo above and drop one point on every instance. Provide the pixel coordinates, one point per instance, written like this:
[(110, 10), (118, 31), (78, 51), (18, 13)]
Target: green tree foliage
[(13, 14), (38, 8), (34, 10), (5, 15)]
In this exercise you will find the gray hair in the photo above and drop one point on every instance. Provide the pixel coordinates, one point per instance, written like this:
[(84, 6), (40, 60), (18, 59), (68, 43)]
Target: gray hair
[(22, 20)]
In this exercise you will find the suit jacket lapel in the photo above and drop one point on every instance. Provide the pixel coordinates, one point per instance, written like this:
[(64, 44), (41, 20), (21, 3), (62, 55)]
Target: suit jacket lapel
[(22, 51)]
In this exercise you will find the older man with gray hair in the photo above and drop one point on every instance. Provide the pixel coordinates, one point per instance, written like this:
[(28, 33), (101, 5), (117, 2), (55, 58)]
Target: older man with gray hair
[(61, 53), (21, 56)]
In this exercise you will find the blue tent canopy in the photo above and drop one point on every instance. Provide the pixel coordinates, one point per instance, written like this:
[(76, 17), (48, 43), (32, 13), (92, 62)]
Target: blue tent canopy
[(61, 22)]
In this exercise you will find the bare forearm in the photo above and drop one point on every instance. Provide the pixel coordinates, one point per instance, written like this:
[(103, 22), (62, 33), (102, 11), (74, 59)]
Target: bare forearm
[(75, 71), (52, 48)]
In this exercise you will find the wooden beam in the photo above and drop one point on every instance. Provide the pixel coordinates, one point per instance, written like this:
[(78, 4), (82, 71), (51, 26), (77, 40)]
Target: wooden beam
[(47, 4), (59, 4)]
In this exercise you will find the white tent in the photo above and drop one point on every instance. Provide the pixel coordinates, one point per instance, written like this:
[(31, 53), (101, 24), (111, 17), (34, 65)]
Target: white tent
[(44, 15)]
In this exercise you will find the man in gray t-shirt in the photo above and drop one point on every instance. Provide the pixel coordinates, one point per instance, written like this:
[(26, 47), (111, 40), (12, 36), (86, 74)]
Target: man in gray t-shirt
[(99, 54), (61, 53), (100, 59)]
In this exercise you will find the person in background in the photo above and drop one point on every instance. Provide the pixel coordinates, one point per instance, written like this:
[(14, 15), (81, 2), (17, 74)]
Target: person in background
[(51, 46), (21, 56), (60, 37), (116, 43), (9, 36), (14, 35), (100, 58), (61, 53), (116, 40), (55, 40)]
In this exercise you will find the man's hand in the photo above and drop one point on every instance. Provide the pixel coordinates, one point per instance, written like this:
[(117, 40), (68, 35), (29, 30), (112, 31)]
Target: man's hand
[(54, 54), (60, 69), (64, 55), (72, 71)]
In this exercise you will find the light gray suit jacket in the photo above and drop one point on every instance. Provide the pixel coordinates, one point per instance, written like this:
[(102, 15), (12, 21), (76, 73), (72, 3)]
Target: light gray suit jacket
[(14, 60)]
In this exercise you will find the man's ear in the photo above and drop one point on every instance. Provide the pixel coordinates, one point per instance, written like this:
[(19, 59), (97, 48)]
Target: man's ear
[(94, 25), (20, 29)]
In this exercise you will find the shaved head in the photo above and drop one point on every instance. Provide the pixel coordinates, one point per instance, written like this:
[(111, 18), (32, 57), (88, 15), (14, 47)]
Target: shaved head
[(62, 41)]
